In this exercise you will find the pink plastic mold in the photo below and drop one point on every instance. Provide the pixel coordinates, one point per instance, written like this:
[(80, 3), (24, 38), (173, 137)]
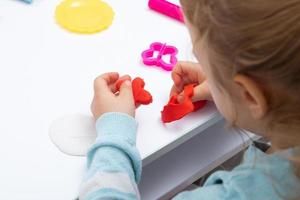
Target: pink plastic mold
[(150, 59)]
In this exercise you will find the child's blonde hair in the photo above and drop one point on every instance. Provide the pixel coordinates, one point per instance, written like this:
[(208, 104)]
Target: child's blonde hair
[(260, 39)]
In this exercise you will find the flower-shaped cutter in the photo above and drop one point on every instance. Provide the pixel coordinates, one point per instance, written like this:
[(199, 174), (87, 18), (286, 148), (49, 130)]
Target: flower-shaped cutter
[(163, 50)]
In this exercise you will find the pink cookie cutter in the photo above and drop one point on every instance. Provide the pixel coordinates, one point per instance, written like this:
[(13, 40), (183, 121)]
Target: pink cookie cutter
[(163, 50)]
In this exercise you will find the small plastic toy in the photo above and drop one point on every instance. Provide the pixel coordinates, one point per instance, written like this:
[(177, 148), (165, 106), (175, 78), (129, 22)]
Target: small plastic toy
[(167, 8), (163, 50), (174, 110), (84, 16), (140, 95)]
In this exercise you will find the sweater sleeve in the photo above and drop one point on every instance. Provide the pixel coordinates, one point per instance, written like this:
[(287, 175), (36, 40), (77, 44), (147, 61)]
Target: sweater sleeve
[(113, 162)]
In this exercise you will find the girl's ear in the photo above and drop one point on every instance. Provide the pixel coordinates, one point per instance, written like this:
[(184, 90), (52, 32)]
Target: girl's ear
[(253, 96)]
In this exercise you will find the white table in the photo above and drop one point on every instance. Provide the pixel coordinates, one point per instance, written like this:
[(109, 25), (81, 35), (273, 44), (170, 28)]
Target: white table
[(47, 72)]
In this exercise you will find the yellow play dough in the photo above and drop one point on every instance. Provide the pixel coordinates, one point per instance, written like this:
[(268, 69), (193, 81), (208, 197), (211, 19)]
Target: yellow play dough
[(84, 16)]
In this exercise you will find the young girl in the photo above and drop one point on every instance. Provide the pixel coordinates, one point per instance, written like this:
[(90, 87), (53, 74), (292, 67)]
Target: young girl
[(249, 55)]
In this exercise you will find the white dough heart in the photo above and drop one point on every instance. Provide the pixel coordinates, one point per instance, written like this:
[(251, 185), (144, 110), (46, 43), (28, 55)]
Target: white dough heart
[(73, 134)]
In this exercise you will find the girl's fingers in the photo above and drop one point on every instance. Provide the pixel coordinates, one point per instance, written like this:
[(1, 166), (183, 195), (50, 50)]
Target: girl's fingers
[(103, 81), (175, 90), (201, 92), (126, 90), (176, 76), (187, 70), (117, 85), (180, 70)]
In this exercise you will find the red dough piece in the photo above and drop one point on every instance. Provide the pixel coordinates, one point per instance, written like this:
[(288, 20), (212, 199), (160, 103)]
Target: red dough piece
[(140, 95), (199, 104), (174, 110)]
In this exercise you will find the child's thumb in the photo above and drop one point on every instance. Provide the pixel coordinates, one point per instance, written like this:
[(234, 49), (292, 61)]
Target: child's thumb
[(126, 89), (201, 92)]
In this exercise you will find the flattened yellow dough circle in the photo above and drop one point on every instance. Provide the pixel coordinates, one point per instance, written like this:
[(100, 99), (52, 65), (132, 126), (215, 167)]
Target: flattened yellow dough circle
[(84, 16)]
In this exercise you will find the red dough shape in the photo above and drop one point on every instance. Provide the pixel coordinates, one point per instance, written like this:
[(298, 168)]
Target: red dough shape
[(174, 110), (140, 95)]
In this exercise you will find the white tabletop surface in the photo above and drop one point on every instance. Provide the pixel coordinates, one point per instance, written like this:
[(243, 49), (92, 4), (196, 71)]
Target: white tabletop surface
[(47, 72)]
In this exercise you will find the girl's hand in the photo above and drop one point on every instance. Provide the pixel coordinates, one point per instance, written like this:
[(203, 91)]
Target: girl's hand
[(187, 73), (107, 100)]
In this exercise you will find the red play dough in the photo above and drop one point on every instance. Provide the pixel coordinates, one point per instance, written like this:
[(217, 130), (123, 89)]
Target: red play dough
[(140, 95), (174, 110)]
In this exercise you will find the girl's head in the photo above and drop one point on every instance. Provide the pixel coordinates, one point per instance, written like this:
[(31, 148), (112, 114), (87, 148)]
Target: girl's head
[(250, 54)]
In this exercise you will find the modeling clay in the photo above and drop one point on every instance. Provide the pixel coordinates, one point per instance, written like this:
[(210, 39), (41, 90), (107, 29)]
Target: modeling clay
[(84, 16), (174, 110), (163, 50), (140, 95), (167, 8)]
